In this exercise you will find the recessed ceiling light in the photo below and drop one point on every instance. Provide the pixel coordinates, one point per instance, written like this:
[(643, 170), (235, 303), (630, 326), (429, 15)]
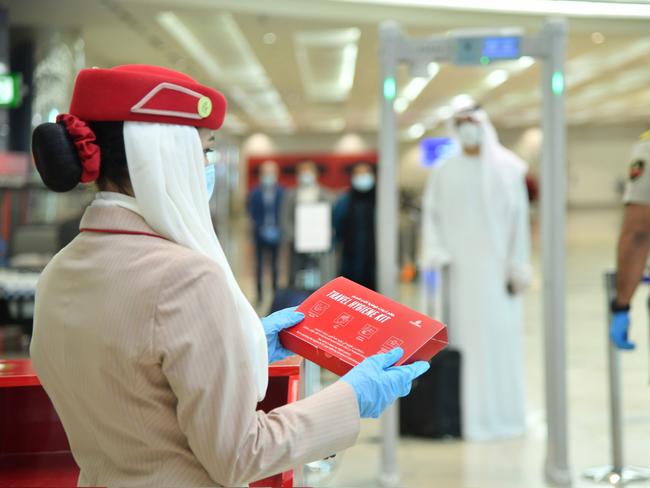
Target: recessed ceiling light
[(462, 101), (496, 78), (597, 37), (525, 62), (432, 69), (401, 104), (269, 38), (416, 131)]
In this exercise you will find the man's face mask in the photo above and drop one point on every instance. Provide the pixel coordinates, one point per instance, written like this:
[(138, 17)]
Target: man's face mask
[(363, 182), (306, 178), (269, 179), (469, 134)]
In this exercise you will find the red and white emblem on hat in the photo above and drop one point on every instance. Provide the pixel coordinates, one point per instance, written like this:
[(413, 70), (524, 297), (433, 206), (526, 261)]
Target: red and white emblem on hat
[(146, 94)]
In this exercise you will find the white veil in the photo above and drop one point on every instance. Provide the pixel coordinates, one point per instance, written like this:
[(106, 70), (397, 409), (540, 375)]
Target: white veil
[(165, 164)]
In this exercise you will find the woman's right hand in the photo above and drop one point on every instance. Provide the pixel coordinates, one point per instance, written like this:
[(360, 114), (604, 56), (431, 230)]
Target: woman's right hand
[(377, 383)]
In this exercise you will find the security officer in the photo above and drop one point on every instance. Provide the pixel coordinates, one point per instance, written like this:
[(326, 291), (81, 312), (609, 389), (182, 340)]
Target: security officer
[(634, 241)]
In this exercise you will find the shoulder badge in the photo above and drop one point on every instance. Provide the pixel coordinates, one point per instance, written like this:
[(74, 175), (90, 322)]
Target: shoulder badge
[(636, 169)]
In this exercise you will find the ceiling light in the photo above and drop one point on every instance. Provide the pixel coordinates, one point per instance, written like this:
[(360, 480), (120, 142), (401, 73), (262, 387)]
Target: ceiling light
[(525, 62), (315, 53), (269, 38), (597, 38), (462, 101), (496, 78), (416, 131), (184, 36), (347, 68), (400, 105), (414, 87), (433, 69)]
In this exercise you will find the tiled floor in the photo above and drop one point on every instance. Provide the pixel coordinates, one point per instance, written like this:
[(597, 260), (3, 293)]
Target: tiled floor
[(519, 462)]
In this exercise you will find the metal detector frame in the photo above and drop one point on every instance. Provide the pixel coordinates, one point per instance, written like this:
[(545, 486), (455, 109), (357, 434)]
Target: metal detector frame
[(549, 46), (617, 473)]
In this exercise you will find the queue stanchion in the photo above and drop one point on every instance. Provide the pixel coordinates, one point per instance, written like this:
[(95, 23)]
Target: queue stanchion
[(616, 474)]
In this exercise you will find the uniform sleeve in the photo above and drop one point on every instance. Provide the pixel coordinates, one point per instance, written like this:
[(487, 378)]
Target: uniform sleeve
[(433, 252), (202, 350), (519, 267), (637, 189)]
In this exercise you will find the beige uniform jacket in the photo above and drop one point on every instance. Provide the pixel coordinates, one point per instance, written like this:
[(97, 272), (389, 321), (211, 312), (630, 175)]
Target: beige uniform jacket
[(134, 343)]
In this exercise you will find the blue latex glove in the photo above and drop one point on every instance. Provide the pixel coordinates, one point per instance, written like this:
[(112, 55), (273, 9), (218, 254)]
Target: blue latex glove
[(618, 330), (378, 383), (274, 323)]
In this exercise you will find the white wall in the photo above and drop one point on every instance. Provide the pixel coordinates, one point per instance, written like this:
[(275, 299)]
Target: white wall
[(346, 142), (597, 158)]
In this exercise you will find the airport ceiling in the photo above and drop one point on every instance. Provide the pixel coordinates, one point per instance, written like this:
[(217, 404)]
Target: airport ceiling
[(312, 65)]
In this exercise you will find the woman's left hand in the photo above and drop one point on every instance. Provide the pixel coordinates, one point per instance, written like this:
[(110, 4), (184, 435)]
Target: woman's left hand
[(273, 324)]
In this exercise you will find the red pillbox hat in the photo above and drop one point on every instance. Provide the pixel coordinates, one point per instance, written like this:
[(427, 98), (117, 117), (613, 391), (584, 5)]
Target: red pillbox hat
[(146, 93)]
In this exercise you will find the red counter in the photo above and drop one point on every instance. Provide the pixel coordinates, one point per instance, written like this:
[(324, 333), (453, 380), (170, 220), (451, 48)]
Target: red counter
[(34, 449)]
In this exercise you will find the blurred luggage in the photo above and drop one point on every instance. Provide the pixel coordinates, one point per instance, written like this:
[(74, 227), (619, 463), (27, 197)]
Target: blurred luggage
[(432, 409)]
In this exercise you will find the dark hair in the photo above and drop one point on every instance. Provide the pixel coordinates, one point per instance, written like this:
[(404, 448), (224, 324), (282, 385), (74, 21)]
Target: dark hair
[(58, 163)]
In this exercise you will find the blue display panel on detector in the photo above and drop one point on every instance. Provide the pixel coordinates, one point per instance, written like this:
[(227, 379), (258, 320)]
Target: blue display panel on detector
[(485, 50), (501, 47)]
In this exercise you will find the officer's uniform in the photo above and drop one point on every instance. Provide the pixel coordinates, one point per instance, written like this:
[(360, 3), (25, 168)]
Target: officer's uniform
[(638, 185)]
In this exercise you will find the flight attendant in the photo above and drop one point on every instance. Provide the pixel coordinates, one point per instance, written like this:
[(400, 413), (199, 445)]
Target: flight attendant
[(146, 345)]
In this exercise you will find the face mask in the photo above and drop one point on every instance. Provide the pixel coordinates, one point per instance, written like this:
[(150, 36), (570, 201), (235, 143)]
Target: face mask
[(210, 178), (469, 134), (363, 182), (269, 179), (307, 178)]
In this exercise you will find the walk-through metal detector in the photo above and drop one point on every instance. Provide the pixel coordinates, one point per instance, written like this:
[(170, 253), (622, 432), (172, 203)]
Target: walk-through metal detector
[(483, 47)]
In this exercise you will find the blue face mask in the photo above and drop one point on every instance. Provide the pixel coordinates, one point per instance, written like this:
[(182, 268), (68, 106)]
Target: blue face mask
[(210, 178), (363, 182)]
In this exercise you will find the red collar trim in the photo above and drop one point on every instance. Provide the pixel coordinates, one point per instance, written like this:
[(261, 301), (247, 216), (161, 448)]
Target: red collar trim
[(120, 231)]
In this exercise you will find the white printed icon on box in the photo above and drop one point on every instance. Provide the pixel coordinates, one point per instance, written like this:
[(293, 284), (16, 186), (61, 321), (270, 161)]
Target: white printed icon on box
[(417, 323), (392, 342), (343, 320), (319, 308), (368, 331)]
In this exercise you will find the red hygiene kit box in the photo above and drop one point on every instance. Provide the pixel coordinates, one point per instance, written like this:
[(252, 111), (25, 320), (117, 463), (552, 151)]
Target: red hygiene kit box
[(346, 322)]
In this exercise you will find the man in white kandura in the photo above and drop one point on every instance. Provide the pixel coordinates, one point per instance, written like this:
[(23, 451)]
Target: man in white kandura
[(475, 221)]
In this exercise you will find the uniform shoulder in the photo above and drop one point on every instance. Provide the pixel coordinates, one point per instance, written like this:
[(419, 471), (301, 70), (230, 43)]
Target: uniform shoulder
[(186, 258)]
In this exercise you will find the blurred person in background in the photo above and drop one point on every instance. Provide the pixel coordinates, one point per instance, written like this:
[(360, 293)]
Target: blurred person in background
[(307, 191), (354, 227), (264, 208), (153, 358), (633, 242), (475, 222)]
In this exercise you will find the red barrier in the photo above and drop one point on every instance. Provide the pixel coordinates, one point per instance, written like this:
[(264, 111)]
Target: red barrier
[(334, 167), (34, 449)]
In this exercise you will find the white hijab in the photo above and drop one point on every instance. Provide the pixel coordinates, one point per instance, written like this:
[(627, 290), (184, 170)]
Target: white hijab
[(167, 174)]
